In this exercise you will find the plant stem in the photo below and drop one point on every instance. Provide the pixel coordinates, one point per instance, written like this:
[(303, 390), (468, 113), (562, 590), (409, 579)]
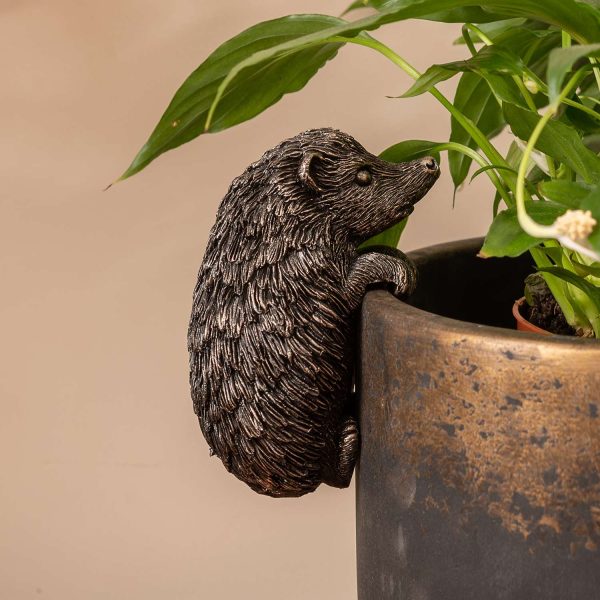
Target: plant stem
[(567, 43), (476, 157), (586, 109), (557, 287), (596, 69), (468, 40), (527, 223), (583, 304), (525, 93), (493, 155), (484, 38), (518, 82)]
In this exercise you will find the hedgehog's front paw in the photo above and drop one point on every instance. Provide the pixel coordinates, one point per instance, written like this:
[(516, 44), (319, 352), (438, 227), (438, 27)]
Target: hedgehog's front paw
[(396, 269), (406, 281), (381, 267)]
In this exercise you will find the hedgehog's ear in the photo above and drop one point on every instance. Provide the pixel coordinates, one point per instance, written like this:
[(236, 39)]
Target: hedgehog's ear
[(306, 172)]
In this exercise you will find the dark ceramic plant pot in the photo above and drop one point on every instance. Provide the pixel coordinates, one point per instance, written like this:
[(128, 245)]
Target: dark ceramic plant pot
[(479, 471)]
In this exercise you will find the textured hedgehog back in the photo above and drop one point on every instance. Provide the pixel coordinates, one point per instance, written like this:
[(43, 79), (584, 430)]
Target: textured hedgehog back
[(270, 332)]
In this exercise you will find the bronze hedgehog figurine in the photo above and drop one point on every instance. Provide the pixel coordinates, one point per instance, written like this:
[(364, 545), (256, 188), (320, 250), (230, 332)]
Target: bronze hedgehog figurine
[(271, 331)]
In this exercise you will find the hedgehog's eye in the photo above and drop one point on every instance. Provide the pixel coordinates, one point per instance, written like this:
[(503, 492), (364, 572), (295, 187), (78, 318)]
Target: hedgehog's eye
[(363, 176)]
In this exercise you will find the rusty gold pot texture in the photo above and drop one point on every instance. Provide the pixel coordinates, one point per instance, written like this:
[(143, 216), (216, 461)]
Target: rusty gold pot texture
[(479, 475)]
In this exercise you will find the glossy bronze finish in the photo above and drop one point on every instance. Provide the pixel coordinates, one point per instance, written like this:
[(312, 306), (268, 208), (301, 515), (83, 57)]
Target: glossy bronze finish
[(272, 331), (479, 475)]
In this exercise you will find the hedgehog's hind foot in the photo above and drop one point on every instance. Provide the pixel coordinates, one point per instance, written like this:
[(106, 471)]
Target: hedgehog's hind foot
[(348, 447)]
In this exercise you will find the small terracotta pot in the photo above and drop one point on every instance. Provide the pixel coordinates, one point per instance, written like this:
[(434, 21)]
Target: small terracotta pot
[(522, 323)]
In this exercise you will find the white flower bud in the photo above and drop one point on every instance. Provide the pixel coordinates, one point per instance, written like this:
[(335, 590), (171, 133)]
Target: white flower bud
[(575, 224), (531, 85)]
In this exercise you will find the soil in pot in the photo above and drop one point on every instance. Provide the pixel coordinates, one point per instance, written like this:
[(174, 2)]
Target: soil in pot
[(541, 309)]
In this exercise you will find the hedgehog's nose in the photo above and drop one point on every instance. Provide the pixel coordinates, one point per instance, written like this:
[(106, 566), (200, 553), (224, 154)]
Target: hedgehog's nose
[(430, 164)]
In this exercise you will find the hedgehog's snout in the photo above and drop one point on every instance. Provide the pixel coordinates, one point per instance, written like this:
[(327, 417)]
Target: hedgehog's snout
[(431, 165)]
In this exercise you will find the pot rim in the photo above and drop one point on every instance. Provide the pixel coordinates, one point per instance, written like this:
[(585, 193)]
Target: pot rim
[(521, 320), (397, 310)]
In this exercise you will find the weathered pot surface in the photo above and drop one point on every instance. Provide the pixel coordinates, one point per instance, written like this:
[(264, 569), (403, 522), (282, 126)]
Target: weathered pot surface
[(479, 475)]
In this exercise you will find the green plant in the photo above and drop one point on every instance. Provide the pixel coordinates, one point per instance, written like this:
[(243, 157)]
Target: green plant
[(525, 57)]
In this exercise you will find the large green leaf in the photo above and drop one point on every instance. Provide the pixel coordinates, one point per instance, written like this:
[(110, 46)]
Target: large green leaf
[(410, 150), (566, 14), (557, 140), (534, 173), (587, 125), (518, 51), (490, 59), (253, 91), (475, 100), (469, 14), (390, 237), (254, 69), (567, 193), (581, 21), (586, 315), (493, 29), (578, 281), (592, 203), (506, 238), (505, 90), (517, 35), (561, 61), (584, 270)]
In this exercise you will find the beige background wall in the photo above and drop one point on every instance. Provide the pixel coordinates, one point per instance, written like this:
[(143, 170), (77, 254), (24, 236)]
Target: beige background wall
[(106, 487)]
